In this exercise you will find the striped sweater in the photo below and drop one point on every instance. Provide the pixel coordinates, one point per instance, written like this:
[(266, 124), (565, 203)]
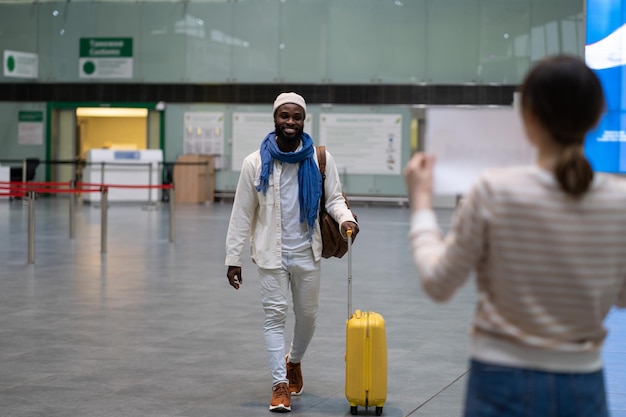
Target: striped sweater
[(548, 268)]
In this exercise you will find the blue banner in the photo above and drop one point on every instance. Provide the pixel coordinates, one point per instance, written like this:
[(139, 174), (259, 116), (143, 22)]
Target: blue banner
[(605, 53)]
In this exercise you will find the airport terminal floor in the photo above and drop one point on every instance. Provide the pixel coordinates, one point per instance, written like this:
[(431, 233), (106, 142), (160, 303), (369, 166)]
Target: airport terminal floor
[(151, 328)]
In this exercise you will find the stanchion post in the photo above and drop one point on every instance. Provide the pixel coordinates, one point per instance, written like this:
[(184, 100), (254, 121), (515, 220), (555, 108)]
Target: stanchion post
[(150, 184), (151, 205), (161, 171), (24, 165), (102, 173), (31, 227), (207, 181), (72, 209), (103, 219), (172, 212), (77, 179)]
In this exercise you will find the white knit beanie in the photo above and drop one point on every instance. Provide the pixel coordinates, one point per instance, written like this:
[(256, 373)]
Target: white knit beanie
[(284, 98)]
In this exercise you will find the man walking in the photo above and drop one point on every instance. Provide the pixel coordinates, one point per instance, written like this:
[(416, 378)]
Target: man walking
[(276, 206)]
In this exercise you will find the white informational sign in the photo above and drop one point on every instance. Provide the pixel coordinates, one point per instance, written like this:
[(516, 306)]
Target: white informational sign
[(21, 64), (30, 128), (106, 58), (249, 130), (204, 134), (467, 141), (363, 143)]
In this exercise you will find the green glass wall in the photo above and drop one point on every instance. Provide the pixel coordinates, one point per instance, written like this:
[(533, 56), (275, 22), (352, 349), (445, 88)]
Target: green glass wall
[(301, 41)]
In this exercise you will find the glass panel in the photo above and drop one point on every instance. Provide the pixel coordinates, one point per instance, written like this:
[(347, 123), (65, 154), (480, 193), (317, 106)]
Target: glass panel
[(572, 34), (453, 28), (119, 20), (556, 27), (402, 42), (18, 22), (503, 54), (60, 27), (210, 43), (353, 36), (161, 47), (256, 39), (303, 46), (572, 23), (377, 41), (538, 48), (302, 41)]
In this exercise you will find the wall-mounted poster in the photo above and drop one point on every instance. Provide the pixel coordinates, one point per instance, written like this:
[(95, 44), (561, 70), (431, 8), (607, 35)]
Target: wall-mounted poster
[(363, 143), (30, 128), (249, 130), (21, 64), (204, 134)]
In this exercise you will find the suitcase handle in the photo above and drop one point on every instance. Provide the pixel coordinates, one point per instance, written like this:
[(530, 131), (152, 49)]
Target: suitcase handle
[(349, 233)]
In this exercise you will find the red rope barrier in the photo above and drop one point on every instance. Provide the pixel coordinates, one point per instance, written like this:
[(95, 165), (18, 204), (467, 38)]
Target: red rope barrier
[(36, 183), (60, 191), (166, 186), (79, 187)]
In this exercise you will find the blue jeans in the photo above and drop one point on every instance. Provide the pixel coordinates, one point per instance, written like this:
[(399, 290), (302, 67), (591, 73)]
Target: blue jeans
[(502, 391)]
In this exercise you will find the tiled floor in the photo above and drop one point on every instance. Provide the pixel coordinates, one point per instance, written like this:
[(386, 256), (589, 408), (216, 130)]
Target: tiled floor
[(152, 329)]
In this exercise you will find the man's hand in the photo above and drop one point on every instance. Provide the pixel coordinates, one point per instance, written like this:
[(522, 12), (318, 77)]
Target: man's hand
[(345, 226), (234, 276)]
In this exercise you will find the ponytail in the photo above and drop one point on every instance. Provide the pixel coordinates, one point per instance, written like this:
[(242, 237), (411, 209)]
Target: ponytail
[(572, 170), (567, 99)]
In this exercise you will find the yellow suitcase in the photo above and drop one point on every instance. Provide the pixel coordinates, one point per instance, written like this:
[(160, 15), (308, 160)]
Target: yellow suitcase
[(366, 355)]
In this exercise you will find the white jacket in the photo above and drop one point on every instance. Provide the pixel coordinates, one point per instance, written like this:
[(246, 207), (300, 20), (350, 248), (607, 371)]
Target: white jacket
[(258, 216)]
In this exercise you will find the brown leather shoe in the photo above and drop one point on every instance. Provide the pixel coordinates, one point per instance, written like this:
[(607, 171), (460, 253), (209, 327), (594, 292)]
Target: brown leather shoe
[(294, 375), (281, 398)]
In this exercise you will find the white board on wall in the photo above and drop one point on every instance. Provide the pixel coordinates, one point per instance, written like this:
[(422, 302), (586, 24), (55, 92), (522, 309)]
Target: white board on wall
[(203, 133), (249, 130), (363, 143), (466, 141)]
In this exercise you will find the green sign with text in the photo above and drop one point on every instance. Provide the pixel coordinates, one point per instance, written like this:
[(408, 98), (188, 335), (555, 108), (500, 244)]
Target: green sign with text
[(106, 58)]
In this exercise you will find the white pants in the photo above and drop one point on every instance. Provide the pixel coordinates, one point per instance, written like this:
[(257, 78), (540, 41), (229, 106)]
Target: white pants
[(302, 273)]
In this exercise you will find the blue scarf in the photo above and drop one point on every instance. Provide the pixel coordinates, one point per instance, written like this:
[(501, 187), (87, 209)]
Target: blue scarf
[(309, 177)]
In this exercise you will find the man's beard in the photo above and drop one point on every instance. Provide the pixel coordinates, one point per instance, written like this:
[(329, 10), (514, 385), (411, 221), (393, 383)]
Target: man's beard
[(280, 134)]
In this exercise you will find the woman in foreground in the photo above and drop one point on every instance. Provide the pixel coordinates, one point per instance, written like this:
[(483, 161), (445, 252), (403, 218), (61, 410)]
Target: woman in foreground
[(547, 243)]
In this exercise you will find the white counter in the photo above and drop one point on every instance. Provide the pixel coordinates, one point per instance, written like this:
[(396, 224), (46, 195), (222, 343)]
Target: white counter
[(5, 176), (123, 167)]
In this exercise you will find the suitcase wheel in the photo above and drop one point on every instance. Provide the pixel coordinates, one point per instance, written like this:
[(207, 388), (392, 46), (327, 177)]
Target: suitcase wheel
[(354, 410)]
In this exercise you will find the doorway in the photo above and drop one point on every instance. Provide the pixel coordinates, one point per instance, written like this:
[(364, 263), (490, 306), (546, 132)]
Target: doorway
[(75, 128)]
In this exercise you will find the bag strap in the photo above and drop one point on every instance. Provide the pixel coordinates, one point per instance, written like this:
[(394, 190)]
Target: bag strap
[(321, 160)]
